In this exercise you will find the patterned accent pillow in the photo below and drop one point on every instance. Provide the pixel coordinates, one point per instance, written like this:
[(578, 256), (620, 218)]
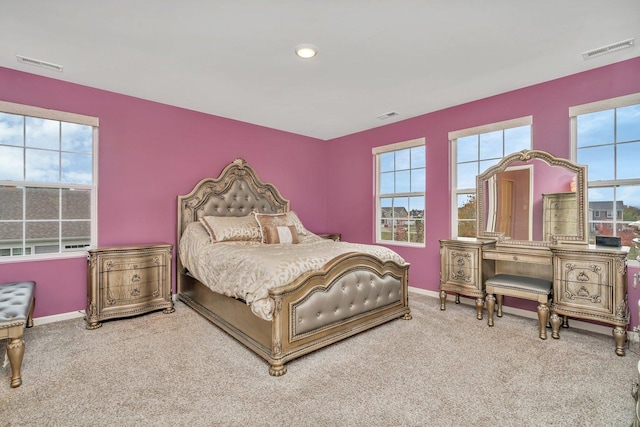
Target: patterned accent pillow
[(283, 220), (280, 234), (231, 228)]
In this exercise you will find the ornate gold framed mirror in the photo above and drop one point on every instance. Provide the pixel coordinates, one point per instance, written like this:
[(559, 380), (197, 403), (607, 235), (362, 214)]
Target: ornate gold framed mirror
[(532, 198)]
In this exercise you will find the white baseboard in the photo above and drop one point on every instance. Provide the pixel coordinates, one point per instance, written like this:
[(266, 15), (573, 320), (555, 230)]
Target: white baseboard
[(37, 321), (585, 326)]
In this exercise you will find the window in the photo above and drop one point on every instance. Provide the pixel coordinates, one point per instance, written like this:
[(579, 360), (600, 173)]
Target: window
[(474, 150), (47, 182), (606, 138), (400, 192)]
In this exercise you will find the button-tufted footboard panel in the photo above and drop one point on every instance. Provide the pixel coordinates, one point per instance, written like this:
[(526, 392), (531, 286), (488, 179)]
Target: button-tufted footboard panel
[(353, 294)]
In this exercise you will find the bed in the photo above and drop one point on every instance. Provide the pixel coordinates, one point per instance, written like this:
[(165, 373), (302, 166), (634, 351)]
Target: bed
[(315, 301)]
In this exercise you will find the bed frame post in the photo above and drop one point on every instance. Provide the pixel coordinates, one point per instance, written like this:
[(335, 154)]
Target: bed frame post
[(277, 367)]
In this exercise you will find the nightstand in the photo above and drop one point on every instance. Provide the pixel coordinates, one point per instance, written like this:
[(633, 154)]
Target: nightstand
[(127, 281), (332, 236)]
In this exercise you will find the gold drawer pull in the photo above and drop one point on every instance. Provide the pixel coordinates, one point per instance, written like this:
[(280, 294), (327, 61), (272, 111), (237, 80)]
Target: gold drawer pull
[(515, 258)]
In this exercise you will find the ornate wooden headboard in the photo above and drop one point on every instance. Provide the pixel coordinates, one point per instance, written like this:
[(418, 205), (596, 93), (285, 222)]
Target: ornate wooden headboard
[(236, 192)]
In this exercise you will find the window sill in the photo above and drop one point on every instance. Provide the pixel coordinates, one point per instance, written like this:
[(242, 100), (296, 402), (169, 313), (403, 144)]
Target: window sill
[(403, 244), (42, 257)]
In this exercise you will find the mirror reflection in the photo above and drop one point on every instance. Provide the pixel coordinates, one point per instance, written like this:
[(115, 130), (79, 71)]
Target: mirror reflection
[(532, 196)]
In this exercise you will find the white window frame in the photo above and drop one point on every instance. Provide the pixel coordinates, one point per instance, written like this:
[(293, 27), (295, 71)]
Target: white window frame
[(453, 139), (376, 151), (592, 107), (43, 113)]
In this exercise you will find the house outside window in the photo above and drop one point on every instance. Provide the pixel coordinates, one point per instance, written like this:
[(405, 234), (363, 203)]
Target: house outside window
[(474, 150), (400, 193), (48, 183), (606, 137)]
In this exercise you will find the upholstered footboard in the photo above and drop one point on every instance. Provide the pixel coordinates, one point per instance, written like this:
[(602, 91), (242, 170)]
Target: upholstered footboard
[(355, 292)]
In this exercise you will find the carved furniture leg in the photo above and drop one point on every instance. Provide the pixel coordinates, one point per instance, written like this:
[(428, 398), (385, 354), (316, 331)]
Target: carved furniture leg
[(277, 370), (500, 298), (443, 300), (15, 352), (457, 298), (565, 322), (620, 337), (543, 318), (479, 307), (555, 326), (169, 310), (491, 305)]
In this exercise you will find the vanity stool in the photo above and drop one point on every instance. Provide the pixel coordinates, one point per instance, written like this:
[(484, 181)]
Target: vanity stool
[(520, 287), (16, 311)]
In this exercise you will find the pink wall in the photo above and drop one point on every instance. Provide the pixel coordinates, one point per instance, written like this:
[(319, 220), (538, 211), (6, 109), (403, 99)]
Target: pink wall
[(148, 154), (350, 183)]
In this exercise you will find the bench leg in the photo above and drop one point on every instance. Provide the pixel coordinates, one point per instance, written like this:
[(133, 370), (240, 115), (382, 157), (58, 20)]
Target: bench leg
[(491, 305), (500, 299), (30, 317), (543, 319), (15, 352)]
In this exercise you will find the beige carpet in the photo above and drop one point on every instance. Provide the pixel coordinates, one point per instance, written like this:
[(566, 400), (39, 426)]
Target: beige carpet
[(439, 369)]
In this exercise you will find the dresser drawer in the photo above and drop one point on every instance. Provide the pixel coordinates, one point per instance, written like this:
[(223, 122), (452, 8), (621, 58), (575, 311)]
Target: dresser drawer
[(542, 259), (563, 227), (458, 258), (564, 203), (462, 276), (584, 284)]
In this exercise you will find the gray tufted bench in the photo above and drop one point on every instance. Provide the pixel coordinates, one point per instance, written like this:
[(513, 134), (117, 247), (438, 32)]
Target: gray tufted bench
[(16, 310), (520, 287)]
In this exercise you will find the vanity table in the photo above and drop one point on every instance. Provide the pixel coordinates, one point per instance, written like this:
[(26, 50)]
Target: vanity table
[(589, 282)]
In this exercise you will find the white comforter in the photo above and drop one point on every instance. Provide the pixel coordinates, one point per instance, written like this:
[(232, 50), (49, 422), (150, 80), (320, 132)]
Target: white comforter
[(247, 270)]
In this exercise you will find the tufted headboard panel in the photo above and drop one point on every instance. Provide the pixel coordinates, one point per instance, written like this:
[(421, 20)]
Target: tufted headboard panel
[(236, 192)]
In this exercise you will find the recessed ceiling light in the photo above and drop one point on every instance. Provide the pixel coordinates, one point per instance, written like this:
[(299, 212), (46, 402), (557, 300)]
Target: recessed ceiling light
[(306, 51)]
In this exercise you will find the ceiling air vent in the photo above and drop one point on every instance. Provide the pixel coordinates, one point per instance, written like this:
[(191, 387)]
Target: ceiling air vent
[(387, 115), (608, 49), (38, 63)]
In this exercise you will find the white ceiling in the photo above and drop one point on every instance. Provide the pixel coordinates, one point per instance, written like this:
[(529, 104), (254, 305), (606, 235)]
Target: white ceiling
[(235, 58)]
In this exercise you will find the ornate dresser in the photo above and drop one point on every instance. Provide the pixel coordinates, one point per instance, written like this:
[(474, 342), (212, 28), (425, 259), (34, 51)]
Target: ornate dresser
[(126, 281), (559, 210)]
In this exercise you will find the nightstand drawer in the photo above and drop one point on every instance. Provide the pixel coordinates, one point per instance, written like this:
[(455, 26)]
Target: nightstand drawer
[(136, 284), (123, 262)]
